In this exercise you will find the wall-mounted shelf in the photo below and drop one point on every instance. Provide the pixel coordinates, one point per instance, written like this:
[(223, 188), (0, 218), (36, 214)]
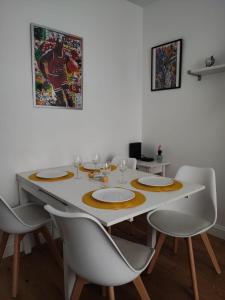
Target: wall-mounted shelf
[(206, 71)]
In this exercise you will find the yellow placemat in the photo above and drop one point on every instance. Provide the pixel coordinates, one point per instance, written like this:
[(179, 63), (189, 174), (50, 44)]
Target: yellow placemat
[(112, 168), (170, 188), (35, 178), (138, 200)]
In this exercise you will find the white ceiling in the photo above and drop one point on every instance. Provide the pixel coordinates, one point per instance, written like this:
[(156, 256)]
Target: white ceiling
[(142, 3)]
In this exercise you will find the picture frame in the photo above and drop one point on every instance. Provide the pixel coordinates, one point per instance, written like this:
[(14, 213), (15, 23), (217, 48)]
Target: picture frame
[(57, 68), (166, 64)]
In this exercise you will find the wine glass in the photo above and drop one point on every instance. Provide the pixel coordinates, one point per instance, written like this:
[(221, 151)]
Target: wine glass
[(96, 160), (104, 172), (122, 168), (106, 168), (77, 162)]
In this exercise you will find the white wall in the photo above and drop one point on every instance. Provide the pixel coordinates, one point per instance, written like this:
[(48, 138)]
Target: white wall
[(189, 122), (42, 137)]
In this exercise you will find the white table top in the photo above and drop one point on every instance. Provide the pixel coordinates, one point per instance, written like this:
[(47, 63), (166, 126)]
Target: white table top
[(70, 191)]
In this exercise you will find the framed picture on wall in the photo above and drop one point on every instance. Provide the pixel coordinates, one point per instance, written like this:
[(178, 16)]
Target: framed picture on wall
[(166, 62), (57, 65)]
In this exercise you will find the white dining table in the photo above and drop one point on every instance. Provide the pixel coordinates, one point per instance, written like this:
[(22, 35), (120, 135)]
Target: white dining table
[(67, 195)]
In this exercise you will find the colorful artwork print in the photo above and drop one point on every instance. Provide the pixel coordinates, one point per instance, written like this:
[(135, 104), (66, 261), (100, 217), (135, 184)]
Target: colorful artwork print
[(57, 68), (166, 66)]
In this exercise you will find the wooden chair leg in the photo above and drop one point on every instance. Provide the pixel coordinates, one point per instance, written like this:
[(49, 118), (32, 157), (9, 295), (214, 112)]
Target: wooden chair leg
[(141, 288), (4, 239), (192, 267), (16, 264), (210, 251), (77, 288), (111, 293), (176, 244), (52, 245), (159, 245)]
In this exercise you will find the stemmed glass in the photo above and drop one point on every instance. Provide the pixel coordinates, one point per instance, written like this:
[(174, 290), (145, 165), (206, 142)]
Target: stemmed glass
[(96, 160), (77, 163), (122, 168), (105, 168)]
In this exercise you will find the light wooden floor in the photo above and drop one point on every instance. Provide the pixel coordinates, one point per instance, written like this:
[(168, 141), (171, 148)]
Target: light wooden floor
[(41, 279)]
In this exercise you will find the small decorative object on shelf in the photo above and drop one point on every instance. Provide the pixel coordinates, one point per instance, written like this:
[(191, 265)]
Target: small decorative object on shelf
[(159, 156), (210, 61)]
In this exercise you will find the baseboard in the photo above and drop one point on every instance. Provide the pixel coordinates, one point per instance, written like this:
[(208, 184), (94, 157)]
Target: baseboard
[(218, 231)]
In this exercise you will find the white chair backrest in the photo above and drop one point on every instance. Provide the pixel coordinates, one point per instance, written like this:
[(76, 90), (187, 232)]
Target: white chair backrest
[(90, 251), (9, 221), (203, 203), (131, 162)]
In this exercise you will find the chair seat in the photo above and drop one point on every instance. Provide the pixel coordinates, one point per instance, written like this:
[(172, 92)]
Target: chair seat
[(32, 215), (178, 224), (136, 254)]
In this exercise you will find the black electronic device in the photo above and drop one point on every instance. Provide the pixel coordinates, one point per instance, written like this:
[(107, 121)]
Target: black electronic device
[(135, 150), (148, 159)]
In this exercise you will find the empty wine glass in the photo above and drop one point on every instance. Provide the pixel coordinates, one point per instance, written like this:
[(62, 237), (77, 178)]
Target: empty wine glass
[(96, 160), (122, 168), (106, 168), (77, 163), (104, 172)]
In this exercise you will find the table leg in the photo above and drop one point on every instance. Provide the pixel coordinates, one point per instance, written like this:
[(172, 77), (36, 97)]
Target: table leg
[(23, 195), (151, 237), (69, 277), (23, 199)]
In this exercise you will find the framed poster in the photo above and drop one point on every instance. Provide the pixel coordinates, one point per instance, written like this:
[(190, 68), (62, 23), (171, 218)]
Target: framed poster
[(166, 66), (57, 65)]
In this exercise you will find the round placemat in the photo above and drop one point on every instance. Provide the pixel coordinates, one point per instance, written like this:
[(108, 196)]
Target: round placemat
[(177, 185), (112, 168), (34, 177), (90, 201)]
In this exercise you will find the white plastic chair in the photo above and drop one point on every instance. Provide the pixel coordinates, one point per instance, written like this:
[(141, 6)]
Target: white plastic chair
[(96, 257), (189, 217), (19, 221), (131, 162)]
